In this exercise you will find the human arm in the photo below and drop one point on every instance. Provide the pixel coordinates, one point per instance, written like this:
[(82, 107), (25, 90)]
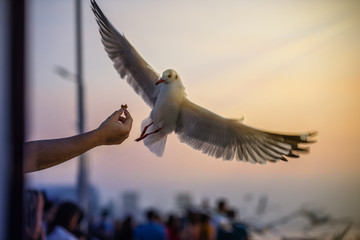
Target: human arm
[(43, 154)]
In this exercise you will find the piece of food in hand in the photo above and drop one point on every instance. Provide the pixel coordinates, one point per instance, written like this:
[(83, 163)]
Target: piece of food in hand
[(124, 106)]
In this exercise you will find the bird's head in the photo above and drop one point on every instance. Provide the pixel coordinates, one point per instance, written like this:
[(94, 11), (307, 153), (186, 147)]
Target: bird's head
[(168, 76)]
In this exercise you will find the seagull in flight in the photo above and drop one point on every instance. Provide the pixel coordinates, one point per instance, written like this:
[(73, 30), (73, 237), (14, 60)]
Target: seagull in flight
[(196, 126)]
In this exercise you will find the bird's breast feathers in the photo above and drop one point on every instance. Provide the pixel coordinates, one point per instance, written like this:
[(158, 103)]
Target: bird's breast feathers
[(167, 106)]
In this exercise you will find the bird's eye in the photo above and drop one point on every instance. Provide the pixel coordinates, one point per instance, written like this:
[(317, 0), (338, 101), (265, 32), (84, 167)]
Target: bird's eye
[(169, 76)]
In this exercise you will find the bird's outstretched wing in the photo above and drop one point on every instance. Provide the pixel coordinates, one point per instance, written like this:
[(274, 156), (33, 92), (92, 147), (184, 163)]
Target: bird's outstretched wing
[(127, 61), (227, 138)]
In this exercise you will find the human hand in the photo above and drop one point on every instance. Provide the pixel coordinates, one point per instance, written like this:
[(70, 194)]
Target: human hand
[(116, 128)]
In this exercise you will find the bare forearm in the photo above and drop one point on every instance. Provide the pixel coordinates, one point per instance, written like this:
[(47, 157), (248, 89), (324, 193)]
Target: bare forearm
[(47, 153)]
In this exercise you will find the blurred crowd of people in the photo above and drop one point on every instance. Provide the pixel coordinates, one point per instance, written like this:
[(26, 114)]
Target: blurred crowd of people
[(45, 219)]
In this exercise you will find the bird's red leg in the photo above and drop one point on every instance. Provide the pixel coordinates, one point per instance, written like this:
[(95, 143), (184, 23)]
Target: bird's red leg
[(144, 136), (145, 128)]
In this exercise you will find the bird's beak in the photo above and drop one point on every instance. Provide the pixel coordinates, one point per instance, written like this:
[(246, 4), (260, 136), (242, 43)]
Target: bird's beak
[(160, 81)]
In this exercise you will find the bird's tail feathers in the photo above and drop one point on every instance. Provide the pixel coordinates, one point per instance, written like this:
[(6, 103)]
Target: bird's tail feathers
[(155, 142), (156, 147)]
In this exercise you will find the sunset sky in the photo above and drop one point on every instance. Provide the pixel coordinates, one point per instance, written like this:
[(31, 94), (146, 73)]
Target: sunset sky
[(287, 66)]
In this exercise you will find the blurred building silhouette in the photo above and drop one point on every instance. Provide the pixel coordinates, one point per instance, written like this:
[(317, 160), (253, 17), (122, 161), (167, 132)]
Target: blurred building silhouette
[(129, 204), (60, 193), (183, 201)]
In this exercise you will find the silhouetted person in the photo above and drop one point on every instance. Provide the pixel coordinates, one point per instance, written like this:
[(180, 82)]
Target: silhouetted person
[(221, 220), (239, 230), (126, 231), (50, 209), (192, 226), (105, 228), (66, 222), (152, 229), (207, 231), (33, 208), (173, 227)]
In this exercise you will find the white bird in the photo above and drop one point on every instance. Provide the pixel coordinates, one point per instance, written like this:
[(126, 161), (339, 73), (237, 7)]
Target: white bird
[(172, 111)]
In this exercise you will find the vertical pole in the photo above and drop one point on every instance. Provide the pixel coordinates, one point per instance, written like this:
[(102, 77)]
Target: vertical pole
[(5, 120), (82, 181), (12, 78)]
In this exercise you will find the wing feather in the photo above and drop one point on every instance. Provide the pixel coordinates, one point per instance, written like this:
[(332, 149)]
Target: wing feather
[(229, 139), (127, 61)]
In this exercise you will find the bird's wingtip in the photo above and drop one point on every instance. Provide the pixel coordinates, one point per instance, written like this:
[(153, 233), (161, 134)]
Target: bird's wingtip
[(305, 137), (313, 133)]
